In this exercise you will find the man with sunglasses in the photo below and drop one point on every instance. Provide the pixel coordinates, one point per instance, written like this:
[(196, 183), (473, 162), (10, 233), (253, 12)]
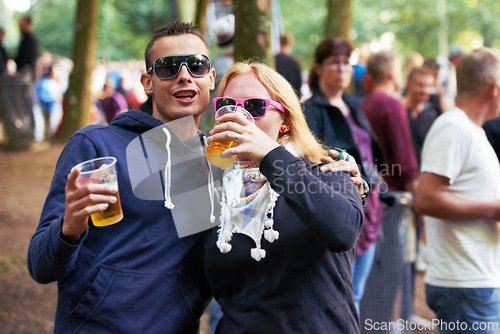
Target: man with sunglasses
[(138, 275)]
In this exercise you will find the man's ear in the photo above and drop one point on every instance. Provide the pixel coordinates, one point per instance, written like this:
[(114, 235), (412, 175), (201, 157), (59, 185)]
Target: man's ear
[(147, 83), (390, 75), (212, 75), (495, 90)]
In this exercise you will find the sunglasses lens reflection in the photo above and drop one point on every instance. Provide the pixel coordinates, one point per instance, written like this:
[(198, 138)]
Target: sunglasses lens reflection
[(198, 65), (257, 107), (224, 102), (169, 66)]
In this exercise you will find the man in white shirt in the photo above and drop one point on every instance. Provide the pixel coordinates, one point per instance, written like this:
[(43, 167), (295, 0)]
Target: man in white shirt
[(459, 193)]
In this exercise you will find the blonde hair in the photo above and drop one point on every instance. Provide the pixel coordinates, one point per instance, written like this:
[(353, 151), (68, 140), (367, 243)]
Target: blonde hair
[(476, 71), (282, 92)]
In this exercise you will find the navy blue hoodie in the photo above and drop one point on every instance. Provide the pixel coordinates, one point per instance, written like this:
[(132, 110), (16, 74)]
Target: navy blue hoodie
[(136, 276)]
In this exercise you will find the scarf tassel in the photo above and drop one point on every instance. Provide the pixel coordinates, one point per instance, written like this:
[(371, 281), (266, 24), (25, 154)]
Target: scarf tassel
[(257, 254)]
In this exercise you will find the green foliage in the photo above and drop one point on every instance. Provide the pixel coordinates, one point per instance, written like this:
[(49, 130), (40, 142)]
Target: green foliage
[(124, 27), (53, 21), (306, 20), (415, 24)]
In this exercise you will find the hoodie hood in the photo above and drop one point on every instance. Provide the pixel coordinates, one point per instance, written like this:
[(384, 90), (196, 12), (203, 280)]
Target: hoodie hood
[(136, 120)]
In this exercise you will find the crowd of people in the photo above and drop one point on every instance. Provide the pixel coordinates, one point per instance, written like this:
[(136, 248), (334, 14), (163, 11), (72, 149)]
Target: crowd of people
[(413, 183), (115, 85)]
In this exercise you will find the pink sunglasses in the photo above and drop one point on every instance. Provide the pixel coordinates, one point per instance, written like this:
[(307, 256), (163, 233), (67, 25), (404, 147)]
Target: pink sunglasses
[(257, 107)]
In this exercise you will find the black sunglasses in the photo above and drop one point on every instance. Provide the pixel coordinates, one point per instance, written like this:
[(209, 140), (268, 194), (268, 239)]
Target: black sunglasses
[(257, 107), (168, 67)]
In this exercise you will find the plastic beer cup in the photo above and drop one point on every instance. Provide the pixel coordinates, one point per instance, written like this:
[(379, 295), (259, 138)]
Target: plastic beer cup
[(102, 171), (216, 148)]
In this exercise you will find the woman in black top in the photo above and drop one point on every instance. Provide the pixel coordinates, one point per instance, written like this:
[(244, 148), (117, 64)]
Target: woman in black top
[(280, 262)]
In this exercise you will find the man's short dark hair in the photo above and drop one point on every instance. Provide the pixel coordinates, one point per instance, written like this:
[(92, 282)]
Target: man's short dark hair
[(286, 39), (174, 28), (28, 19), (419, 71)]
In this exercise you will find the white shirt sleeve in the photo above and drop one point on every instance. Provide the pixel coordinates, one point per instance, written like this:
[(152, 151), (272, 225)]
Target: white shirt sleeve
[(445, 151)]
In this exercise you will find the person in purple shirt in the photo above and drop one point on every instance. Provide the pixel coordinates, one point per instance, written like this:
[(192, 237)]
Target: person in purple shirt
[(389, 119), (113, 102)]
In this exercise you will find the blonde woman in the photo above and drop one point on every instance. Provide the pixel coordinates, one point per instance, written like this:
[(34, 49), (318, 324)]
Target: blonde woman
[(280, 261)]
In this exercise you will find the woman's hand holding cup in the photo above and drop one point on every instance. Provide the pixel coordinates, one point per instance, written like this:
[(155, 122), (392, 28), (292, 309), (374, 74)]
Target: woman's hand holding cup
[(252, 144)]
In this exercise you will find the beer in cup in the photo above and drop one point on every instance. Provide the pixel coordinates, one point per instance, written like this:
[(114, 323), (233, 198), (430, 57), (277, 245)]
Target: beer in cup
[(102, 171), (216, 148)]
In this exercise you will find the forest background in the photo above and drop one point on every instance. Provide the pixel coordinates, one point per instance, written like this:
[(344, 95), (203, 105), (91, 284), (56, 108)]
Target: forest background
[(113, 30), (124, 27)]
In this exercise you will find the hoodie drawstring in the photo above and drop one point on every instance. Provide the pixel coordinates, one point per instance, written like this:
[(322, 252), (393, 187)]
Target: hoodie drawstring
[(211, 187), (168, 167)]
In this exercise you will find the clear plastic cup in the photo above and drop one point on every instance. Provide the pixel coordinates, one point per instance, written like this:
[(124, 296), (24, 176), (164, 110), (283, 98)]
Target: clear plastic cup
[(216, 148), (102, 171)]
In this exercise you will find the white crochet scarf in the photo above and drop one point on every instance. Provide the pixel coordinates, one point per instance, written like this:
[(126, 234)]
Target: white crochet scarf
[(247, 208)]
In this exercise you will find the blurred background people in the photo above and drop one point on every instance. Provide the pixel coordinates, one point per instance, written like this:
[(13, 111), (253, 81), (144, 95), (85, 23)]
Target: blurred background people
[(421, 112), (397, 249), (287, 65), (26, 70), (447, 75), (3, 54), (28, 52), (437, 91), (50, 95), (360, 70), (112, 103), (459, 193)]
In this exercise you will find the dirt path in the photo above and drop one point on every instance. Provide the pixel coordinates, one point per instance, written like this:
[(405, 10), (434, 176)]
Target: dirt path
[(25, 306)]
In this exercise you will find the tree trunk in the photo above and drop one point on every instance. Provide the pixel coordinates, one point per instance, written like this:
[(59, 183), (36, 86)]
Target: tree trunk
[(200, 19), (339, 18), (442, 13), (78, 99), (252, 34), (186, 10), (488, 38)]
